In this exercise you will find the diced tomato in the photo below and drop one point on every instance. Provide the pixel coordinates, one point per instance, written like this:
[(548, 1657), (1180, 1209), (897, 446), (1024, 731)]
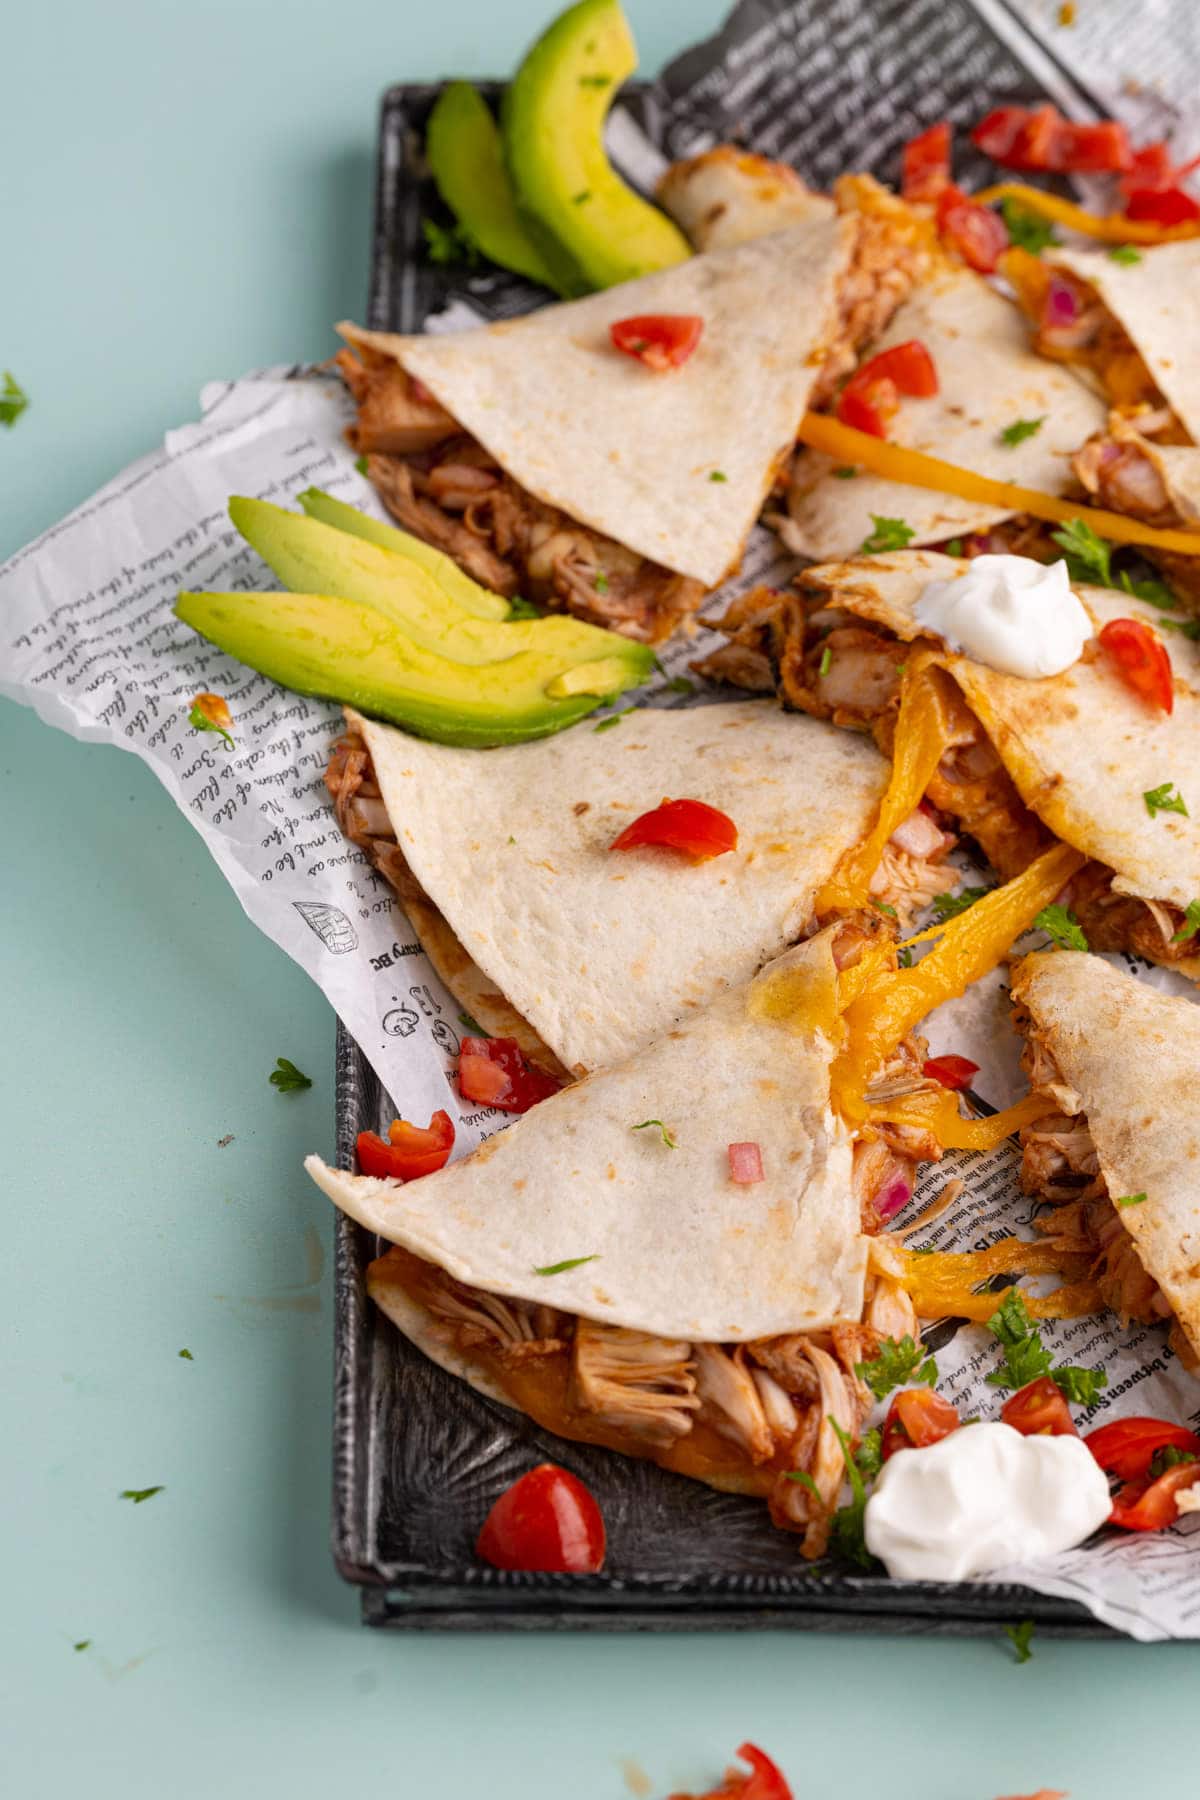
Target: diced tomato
[(1022, 137), (745, 1164), (1149, 167), (925, 165), (1126, 1447), (917, 1418), (765, 1782), (410, 1150), (950, 1071), (660, 340), (909, 365), (868, 403), (1162, 206), (548, 1521), (1141, 660), (1101, 149), (694, 827), (494, 1072), (1039, 1410), (979, 235), (1139, 1506)]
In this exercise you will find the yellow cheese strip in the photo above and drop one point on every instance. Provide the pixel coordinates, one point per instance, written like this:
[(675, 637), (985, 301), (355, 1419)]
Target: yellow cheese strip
[(941, 1283), (938, 1112), (895, 463), (1113, 228)]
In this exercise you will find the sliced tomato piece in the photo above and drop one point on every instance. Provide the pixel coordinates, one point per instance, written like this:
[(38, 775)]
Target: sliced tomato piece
[(909, 365), (745, 1164), (1019, 137), (409, 1150), (1126, 1447), (1039, 1410), (699, 830), (925, 163), (868, 403), (979, 235), (1141, 660), (917, 1418), (765, 1781), (548, 1521), (660, 340), (950, 1071), (1142, 1506), (494, 1072), (1101, 149), (1161, 205), (1149, 167)]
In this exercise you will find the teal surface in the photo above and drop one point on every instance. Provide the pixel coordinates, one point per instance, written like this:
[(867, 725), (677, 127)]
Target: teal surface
[(187, 194)]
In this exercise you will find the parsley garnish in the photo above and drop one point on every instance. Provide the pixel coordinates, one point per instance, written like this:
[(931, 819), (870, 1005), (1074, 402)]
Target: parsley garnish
[(287, 1077), (83, 1644), (520, 608), (1155, 592), (1168, 1456), (717, 475), (470, 1025), (1189, 627), (889, 534), (847, 473), (869, 1455), (596, 81), (600, 582), (360, 463), (904, 957), (897, 1364), (883, 907), (955, 547), (1025, 228), (1129, 1200), (1026, 1358), (948, 906), (605, 725), (578, 199), (137, 1495), (187, 1356), (1082, 1387), (449, 243), (1062, 927), (13, 399), (667, 1137), (1019, 1636), (1088, 556), (826, 662), (847, 1535), (211, 713), (1191, 923), (1020, 429), (1161, 799), (571, 1262), (805, 1480), (679, 684), (1125, 254)]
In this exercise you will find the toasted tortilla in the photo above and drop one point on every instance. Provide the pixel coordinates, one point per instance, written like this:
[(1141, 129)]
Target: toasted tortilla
[(728, 195), (988, 378), (681, 1251), (1132, 1055), (1154, 299), (601, 951), (1082, 749), (674, 465)]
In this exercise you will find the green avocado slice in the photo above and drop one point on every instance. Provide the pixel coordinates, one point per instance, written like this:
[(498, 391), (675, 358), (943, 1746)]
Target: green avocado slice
[(591, 227), (462, 145), (314, 558), (341, 650), (443, 569)]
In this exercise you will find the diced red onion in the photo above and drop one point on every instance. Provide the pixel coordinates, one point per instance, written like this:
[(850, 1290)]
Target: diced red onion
[(1061, 305), (895, 1195), (745, 1163)]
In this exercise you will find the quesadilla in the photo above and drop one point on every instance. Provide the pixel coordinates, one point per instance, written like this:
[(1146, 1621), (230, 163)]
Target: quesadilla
[(1015, 764), (1115, 1153), (504, 863)]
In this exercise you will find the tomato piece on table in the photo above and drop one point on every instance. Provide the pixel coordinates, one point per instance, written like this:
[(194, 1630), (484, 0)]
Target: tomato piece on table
[(765, 1781), (495, 1072), (925, 163), (1161, 206), (1141, 660), (950, 1071), (979, 235), (1039, 1410), (1148, 1506), (547, 1521), (745, 1164), (917, 1418), (409, 1151), (660, 340), (699, 830), (1126, 1447)]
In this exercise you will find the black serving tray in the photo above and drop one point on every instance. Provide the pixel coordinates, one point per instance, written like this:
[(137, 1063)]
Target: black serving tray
[(418, 1456)]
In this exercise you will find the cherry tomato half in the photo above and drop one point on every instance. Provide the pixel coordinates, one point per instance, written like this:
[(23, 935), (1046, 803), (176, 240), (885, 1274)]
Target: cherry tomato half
[(660, 340), (548, 1521), (765, 1782), (979, 235), (494, 1072), (950, 1071), (694, 827), (917, 1418), (410, 1150), (925, 163), (1126, 1447), (1141, 660), (1039, 1410)]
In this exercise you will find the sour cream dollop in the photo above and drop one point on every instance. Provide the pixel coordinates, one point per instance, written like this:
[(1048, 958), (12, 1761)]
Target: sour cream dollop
[(983, 1497), (1010, 612)]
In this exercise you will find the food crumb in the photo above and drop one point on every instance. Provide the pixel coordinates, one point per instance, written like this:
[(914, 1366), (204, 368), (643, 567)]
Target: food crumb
[(1066, 13), (222, 1143), (635, 1777)]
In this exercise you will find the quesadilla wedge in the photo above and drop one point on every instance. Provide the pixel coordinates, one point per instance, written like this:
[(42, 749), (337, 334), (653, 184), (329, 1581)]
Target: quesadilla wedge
[(1014, 764), (1116, 1065)]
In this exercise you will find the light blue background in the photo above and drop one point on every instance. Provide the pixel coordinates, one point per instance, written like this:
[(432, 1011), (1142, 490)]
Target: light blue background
[(186, 192)]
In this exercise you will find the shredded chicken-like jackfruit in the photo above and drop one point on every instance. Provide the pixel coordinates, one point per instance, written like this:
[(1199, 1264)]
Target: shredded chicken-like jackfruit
[(731, 1400), (515, 1329), (646, 1385)]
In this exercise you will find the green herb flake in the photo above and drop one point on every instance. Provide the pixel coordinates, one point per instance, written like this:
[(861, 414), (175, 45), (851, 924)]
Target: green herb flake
[(1082, 1387), (287, 1077), (889, 534), (904, 957), (896, 1365), (471, 1026), (847, 1535), (955, 547), (717, 475), (1191, 923), (667, 1137), (805, 1480), (883, 907), (1162, 799), (846, 473), (571, 1262), (1153, 591), (1028, 230), (1125, 254), (679, 684), (137, 1495), (1019, 1637), (360, 463), (446, 244), (520, 608), (1130, 1200), (948, 906), (1020, 429), (13, 399), (1089, 558), (869, 1455), (83, 1644), (600, 582), (606, 725), (1025, 1356), (1168, 1456), (595, 81), (578, 199), (512, 840), (187, 1356), (1061, 927), (826, 662), (1189, 627)]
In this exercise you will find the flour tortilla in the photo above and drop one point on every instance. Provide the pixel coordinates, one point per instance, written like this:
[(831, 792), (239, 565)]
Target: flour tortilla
[(681, 1250), (629, 451), (601, 950), (987, 379), (1132, 1055), (1154, 298), (1081, 748)]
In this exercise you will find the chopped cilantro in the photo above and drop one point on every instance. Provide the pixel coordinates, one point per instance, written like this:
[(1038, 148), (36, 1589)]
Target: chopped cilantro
[(717, 475), (1019, 1636), (287, 1077), (137, 1495), (83, 1644), (449, 243), (471, 1026), (847, 1536), (883, 907), (1189, 627), (360, 463), (600, 582), (869, 1455), (1082, 1387), (846, 473), (1088, 556), (1161, 799), (955, 547), (679, 684), (596, 81), (520, 608), (13, 399), (512, 840), (904, 957), (1124, 254), (571, 1262), (889, 534), (605, 725), (1191, 923), (1026, 1358), (667, 1137), (805, 1480), (578, 199), (1062, 927), (187, 1356), (1153, 591), (1020, 429), (826, 662), (1130, 1200), (1168, 1456), (1026, 229), (948, 906), (896, 1365)]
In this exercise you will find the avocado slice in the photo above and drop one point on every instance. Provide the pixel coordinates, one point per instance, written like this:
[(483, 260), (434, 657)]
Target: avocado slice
[(591, 227), (462, 146), (314, 558), (441, 568), (341, 650)]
